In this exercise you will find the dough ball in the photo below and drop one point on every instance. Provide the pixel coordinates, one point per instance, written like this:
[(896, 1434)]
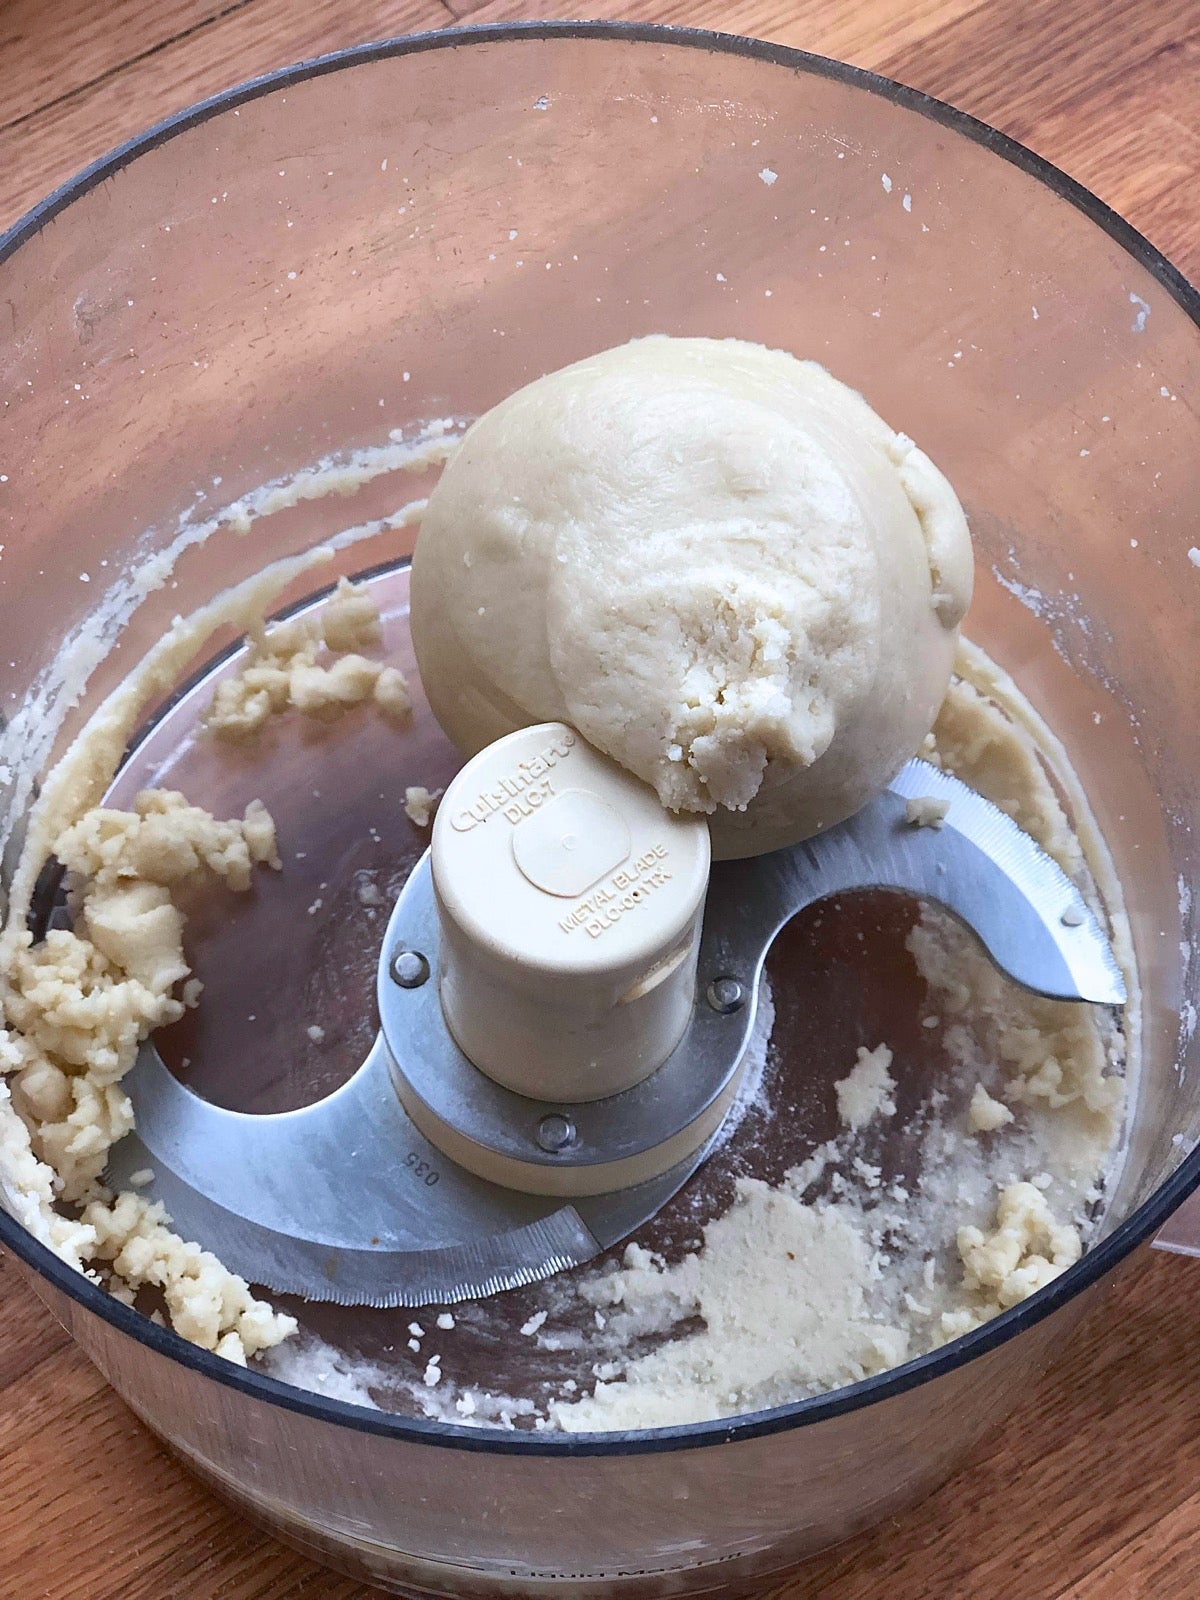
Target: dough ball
[(712, 559)]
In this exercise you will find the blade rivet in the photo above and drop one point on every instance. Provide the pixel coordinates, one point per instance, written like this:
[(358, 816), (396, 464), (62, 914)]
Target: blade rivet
[(409, 969), (555, 1132), (725, 995), (1072, 917)]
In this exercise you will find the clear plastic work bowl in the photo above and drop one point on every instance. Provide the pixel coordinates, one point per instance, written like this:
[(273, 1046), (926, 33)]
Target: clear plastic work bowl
[(416, 228)]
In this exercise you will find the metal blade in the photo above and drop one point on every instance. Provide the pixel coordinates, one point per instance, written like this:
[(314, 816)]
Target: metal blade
[(345, 1201), (1029, 916)]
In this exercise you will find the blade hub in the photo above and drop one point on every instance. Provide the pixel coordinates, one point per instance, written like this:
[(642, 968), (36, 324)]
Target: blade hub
[(619, 1139)]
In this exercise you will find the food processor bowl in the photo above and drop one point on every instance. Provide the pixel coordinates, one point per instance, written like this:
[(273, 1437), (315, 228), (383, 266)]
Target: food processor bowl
[(410, 231)]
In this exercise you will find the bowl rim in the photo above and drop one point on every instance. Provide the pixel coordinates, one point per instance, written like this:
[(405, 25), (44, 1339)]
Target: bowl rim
[(1095, 1265)]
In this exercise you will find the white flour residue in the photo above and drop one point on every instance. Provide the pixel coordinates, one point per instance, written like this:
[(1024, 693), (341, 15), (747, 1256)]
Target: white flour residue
[(309, 1363), (752, 1094), (1056, 611), (1034, 601)]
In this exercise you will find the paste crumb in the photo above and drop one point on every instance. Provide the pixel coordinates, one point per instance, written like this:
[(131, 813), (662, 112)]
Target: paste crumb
[(867, 1090), (349, 620), (926, 811), (1027, 1249), (986, 1114), (284, 669), (207, 1303), (420, 804)]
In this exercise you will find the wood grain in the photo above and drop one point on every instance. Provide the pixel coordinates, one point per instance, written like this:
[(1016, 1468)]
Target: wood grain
[(1090, 1491), (42, 150), (45, 64), (1107, 89)]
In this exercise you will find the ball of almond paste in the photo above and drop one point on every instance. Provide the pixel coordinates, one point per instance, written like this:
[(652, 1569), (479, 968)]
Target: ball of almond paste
[(712, 559)]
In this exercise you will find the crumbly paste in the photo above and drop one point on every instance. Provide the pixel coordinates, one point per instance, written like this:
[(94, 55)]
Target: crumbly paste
[(284, 669), (1048, 1098), (77, 1006), (420, 804)]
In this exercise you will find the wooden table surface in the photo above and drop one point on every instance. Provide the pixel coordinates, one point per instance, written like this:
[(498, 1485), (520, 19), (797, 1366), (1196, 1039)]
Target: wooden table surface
[(1092, 1490)]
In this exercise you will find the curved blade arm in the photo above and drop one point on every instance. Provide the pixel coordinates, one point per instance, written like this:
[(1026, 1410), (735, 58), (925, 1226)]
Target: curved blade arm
[(978, 864), (343, 1200)]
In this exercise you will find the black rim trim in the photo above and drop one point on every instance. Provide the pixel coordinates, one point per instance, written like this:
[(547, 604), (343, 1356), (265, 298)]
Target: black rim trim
[(1095, 1265)]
